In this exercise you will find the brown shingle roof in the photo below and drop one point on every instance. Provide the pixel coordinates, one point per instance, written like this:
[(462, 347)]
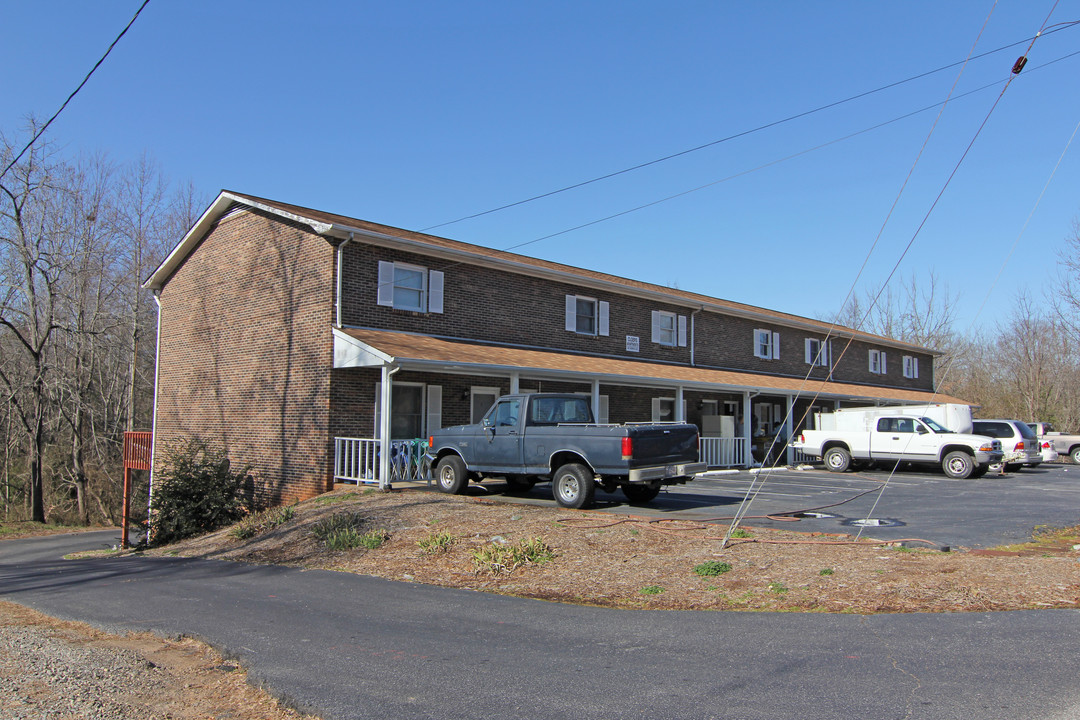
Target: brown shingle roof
[(412, 350), (479, 251)]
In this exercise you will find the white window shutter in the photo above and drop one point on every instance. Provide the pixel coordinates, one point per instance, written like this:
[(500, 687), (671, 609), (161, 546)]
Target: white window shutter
[(571, 313), (757, 344), (682, 331), (603, 419), (378, 410), (656, 326), (809, 351), (882, 362), (776, 346), (914, 367), (434, 408), (602, 320), (872, 352), (656, 409), (385, 293), (435, 291)]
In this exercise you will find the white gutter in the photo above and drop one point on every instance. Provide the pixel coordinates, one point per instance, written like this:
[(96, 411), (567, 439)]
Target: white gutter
[(153, 419)]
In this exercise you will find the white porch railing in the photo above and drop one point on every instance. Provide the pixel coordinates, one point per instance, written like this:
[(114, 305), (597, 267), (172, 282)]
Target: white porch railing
[(357, 460), (723, 452)]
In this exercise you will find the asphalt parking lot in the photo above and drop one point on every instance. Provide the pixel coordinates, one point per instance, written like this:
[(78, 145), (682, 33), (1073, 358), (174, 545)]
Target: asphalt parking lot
[(990, 511)]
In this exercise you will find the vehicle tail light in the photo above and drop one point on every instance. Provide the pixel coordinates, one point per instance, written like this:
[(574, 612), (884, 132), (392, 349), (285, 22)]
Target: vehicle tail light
[(1046, 445), (802, 439), (431, 441), (627, 447), (1019, 445)]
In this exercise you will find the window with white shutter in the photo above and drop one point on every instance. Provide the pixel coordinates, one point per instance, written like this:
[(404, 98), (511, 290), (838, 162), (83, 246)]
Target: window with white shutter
[(586, 315), (409, 287), (767, 345), (911, 366)]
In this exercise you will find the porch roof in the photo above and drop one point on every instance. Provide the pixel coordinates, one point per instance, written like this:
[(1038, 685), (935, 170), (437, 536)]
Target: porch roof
[(365, 348)]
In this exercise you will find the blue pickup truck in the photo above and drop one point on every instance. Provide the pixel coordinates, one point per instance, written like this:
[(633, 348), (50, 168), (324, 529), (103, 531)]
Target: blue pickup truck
[(537, 437)]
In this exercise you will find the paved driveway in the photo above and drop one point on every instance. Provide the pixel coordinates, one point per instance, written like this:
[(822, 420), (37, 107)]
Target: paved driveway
[(990, 511), (351, 647)]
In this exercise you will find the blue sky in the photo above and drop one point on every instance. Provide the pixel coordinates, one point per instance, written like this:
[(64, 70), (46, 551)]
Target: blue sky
[(413, 114)]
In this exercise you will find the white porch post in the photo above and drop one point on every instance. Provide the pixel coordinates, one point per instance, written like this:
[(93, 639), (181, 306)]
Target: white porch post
[(788, 427), (680, 411), (515, 383), (748, 457), (386, 393), (595, 399)]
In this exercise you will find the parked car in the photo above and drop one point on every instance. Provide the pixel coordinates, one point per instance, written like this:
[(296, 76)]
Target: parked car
[(536, 437), (1018, 442), (1063, 443), (1049, 454), (858, 436)]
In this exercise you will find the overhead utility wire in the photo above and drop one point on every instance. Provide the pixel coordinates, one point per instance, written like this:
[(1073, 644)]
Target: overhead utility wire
[(1017, 67), (735, 136), (74, 92), (758, 483), (771, 163)]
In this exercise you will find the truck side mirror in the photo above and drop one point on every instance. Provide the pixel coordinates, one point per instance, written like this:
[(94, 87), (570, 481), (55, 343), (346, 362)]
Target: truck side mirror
[(487, 423)]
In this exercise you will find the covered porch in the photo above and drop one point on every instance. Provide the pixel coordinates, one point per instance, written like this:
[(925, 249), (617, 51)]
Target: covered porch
[(739, 414)]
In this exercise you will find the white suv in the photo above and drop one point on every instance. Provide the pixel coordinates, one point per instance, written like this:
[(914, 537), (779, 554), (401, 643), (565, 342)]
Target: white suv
[(1018, 442)]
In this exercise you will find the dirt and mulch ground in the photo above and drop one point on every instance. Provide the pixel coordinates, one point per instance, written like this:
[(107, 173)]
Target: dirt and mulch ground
[(601, 559)]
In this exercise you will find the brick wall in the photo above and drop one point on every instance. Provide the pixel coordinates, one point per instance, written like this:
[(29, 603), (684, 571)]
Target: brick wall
[(488, 304), (245, 352)]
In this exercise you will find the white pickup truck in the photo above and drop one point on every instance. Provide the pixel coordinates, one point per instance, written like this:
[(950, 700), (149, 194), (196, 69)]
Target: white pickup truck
[(1063, 443), (867, 436)]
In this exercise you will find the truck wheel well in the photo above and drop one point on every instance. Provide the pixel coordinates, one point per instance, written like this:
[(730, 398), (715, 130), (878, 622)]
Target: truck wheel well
[(565, 456), (834, 443), (953, 448)]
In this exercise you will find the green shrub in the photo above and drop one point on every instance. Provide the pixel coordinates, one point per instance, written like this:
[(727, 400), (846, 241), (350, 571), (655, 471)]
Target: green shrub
[(712, 568), (196, 492)]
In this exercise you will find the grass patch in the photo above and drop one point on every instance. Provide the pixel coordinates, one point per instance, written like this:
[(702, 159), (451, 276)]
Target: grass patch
[(740, 533), (332, 499), (497, 559), (345, 531), (28, 528), (712, 568), (777, 587), (260, 522), (825, 571), (652, 590), (1045, 536), (437, 543)]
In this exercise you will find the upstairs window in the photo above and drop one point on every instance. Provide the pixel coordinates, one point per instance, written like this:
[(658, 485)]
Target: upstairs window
[(766, 345), (818, 352), (877, 362), (586, 315), (911, 367), (668, 329), (410, 287)]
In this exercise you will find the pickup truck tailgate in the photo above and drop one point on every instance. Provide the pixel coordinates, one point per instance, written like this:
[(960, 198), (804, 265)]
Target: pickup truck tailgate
[(663, 444)]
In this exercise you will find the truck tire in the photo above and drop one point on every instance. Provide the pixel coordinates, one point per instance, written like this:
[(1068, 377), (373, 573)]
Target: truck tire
[(573, 486), (958, 465), (979, 471), (1074, 453), (450, 475), (640, 494), (837, 459)]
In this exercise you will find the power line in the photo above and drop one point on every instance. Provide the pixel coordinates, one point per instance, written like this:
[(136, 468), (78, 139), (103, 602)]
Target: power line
[(744, 133), (74, 92)]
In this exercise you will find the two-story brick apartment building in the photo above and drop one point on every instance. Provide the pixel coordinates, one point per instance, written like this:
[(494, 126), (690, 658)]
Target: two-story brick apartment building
[(283, 328)]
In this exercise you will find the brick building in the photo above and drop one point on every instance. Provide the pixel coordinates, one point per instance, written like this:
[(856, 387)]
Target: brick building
[(284, 330)]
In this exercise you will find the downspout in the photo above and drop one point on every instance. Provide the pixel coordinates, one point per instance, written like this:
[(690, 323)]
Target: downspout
[(340, 266), (153, 418)]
